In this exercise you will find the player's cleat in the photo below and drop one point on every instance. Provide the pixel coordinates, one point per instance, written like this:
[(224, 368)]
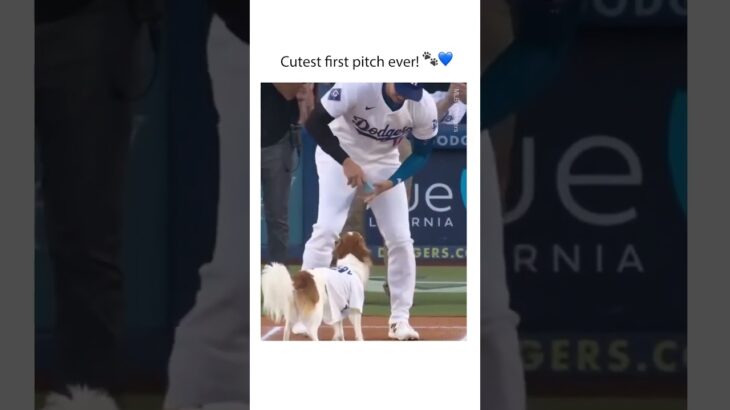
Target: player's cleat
[(402, 331), (299, 329)]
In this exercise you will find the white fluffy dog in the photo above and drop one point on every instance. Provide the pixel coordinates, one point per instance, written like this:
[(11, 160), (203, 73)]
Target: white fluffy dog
[(321, 295)]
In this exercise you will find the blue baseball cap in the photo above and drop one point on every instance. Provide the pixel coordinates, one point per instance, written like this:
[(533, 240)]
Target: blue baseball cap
[(411, 91)]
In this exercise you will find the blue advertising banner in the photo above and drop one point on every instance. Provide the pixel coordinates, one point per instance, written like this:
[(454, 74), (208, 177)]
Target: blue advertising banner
[(437, 209), (596, 225), (451, 137), (635, 12), (652, 354)]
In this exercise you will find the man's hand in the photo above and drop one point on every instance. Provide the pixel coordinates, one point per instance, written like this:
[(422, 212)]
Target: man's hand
[(353, 173), (457, 92), (378, 189), (288, 90)]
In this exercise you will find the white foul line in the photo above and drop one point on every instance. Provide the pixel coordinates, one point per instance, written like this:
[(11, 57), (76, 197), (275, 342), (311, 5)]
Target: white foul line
[(271, 332), (277, 328)]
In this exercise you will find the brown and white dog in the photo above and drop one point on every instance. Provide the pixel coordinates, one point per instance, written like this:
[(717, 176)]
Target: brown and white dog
[(322, 295)]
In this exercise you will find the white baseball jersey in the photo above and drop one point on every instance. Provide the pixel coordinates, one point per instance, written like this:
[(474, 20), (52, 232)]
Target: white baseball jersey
[(455, 113), (344, 292), (368, 129)]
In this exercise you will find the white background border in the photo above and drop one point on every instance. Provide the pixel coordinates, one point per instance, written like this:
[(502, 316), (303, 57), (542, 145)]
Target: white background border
[(371, 374)]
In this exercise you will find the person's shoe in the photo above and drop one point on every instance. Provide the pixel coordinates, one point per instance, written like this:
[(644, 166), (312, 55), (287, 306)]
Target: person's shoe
[(402, 331), (299, 329), (80, 398)]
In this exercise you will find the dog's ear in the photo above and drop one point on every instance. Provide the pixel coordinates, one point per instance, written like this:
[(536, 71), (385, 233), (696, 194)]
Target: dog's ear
[(365, 254)]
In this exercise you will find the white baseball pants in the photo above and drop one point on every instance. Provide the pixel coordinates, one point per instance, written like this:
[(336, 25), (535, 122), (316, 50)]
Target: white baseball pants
[(391, 213), (503, 383), (209, 361)]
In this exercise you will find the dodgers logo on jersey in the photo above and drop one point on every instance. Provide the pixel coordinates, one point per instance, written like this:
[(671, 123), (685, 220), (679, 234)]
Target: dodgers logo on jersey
[(335, 94), (362, 126)]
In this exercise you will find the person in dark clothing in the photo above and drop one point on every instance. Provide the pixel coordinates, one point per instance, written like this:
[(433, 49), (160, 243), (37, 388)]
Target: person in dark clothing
[(87, 70), (209, 364), (279, 137)]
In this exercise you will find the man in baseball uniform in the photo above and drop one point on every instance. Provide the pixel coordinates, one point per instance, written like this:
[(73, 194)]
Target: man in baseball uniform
[(358, 127), (515, 69)]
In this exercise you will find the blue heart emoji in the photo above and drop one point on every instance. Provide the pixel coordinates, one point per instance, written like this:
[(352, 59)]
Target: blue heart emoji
[(445, 57)]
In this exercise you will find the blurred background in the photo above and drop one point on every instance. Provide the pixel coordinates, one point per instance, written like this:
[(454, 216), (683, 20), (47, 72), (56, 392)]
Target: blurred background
[(595, 195), (170, 204), (602, 300)]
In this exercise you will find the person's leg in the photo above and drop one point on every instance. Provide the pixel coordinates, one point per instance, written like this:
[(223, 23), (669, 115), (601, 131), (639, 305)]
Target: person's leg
[(335, 197), (83, 131), (276, 175), (497, 34), (391, 214), (504, 384), (209, 359), (404, 151)]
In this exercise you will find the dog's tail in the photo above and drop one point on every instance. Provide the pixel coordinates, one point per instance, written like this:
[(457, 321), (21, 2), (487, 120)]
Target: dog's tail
[(306, 293), (278, 291)]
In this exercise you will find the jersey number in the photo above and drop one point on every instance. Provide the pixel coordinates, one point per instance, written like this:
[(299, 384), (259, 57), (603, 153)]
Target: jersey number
[(343, 269)]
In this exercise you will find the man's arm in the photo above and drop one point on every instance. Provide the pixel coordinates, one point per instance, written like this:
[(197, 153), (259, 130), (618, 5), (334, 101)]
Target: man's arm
[(235, 14), (415, 162), (318, 126), (288, 90), (456, 93), (545, 33)]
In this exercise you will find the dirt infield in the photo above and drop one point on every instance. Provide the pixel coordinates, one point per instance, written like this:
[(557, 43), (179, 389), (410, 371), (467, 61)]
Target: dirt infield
[(376, 328)]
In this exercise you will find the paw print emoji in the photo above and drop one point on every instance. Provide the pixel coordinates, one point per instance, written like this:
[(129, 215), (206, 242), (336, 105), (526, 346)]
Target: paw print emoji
[(427, 55), (434, 62)]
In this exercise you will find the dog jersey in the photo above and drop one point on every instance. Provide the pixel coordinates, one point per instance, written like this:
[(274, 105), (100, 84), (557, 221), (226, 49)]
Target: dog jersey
[(368, 129), (344, 292)]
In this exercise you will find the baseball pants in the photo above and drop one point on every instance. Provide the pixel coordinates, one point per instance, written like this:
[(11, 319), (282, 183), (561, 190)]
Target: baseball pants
[(209, 360), (391, 213), (503, 383)]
